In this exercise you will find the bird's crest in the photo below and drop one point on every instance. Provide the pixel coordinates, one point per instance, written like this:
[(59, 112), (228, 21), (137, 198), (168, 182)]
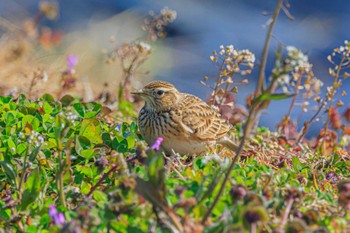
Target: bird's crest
[(159, 84)]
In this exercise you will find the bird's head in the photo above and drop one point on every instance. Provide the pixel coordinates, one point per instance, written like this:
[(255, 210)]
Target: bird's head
[(158, 95)]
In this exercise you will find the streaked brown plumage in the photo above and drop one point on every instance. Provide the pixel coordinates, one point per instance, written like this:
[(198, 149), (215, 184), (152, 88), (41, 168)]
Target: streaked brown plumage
[(187, 124)]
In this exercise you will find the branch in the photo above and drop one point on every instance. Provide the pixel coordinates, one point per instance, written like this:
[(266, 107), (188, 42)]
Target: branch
[(261, 76)]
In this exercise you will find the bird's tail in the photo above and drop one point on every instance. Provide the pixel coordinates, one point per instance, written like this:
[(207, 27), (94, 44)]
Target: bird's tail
[(228, 144)]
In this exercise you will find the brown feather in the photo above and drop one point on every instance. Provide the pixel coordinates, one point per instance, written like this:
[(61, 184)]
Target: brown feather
[(205, 121)]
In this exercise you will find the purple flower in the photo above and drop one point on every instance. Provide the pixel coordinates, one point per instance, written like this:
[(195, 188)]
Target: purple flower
[(156, 144), (72, 60), (57, 217)]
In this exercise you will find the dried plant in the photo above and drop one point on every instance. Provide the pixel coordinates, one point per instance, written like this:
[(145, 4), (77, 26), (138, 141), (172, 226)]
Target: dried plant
[(68, 76), (132, 55), (230, 62), (340, 58), (327, 138), (155, 25), (295, 77), (38, 76)]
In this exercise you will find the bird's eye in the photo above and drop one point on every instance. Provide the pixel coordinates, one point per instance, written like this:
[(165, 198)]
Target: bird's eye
[(160, 92)]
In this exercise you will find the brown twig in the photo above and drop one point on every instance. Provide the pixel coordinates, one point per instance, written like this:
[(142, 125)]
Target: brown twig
[(217, 83), (307, 123), (93, 188), (336, 77), (296, 92), (104, 176), (261, 77), (286, 212), (60, 178)]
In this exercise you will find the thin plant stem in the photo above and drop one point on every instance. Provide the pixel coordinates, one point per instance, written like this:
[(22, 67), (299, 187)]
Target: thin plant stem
[(228, 84), (31, 85), (93, 188), (331, 99), (60, 179), (296, 92), (253, 227), (224, 95), (261, 77), (333, 93), (23, 173), (286, 213), (307, 124), (217, 83)]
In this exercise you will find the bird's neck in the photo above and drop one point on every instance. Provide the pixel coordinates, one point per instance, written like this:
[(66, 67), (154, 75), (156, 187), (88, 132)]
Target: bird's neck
[(150, 108)]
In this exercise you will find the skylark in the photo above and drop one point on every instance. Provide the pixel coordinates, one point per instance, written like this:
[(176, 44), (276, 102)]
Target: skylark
[(187, 124)]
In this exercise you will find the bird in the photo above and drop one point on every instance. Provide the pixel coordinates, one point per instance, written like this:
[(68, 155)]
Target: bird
[(187, 124)]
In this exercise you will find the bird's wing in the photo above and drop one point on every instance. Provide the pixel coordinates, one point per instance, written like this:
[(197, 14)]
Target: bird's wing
[(201, 120)]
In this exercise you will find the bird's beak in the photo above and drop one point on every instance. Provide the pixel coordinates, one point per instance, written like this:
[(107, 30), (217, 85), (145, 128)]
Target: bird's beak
[(139, 92)]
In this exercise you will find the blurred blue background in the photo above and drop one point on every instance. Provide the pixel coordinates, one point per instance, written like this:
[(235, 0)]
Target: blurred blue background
[(203, 25)]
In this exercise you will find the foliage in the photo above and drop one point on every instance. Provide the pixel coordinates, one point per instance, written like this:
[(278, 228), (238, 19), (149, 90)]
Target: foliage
[(101, 176)]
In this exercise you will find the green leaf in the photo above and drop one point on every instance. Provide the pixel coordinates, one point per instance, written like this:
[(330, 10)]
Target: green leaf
[(100, 196), (85, 188), (121, 146), (11, 145), (133, 127), (82, 143), (10, 118), (23, 110), (79, 108), (21, 148), (155, 167), (33, 229), (48, 98), (5, 214), (34, 122), (9, 171), (106, 138), (126, 108), (66, 100), (150, 192), (92, 130), (33, 154), (87, 171), (215, 179), (21, 98), (134, 229), (87, 153), (92, 109), (279, 96), (47, 108), (32, 189), (131, 141), (5, 99), (296, 163)]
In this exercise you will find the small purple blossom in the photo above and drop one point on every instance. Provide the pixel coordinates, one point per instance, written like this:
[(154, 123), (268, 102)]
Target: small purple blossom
[(57, 217), (72, 61), (156, 144)]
